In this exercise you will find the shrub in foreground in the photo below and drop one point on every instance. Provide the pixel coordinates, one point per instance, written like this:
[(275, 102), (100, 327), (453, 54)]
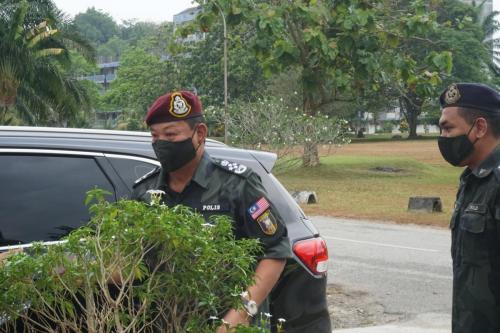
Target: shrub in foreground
[(134, 268)]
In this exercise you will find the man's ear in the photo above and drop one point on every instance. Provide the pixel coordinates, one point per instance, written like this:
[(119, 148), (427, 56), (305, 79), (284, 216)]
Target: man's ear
[(481, 127), (202, 132)]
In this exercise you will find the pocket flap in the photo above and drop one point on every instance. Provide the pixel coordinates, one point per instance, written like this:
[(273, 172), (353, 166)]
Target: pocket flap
[(474, 223)]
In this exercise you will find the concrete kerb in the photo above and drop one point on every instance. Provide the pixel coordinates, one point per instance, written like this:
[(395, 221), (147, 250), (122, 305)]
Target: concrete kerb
[(392, 329), (422, 323)]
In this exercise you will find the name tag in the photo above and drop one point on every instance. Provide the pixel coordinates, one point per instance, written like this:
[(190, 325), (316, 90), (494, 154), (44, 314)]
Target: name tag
[(211, 208), (214, 207), (476, 208)]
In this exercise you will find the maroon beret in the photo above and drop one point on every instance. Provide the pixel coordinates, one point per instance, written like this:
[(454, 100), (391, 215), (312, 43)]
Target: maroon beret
[(174, 106)]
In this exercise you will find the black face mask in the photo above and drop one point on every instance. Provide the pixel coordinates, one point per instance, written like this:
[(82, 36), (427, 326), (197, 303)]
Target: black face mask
[(456, 149), (174, 155)]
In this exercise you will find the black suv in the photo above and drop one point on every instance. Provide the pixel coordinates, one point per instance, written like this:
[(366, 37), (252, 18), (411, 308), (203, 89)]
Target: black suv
[(45, 173)]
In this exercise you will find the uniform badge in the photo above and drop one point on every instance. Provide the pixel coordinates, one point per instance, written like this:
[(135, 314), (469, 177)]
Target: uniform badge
[(258, 208), (452, 95), (234, 167), (179, 107), (155, 196), (267, 223)]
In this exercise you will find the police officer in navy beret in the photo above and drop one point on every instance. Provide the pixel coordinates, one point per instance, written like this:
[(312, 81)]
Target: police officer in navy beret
[(470, 137), (189, 176)]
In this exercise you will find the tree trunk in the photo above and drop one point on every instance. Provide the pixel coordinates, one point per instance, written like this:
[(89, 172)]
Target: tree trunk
[(412, 123), (311, 155), (412, 108)]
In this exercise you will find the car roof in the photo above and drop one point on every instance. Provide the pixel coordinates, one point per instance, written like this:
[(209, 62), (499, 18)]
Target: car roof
[(112, 141)]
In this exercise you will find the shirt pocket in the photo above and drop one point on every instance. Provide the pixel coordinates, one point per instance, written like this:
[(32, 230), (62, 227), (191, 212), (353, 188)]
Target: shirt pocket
[(473, 240)]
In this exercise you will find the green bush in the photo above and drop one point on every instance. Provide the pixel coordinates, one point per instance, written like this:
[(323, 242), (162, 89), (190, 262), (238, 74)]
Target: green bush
[(177, 273), (386, 127)]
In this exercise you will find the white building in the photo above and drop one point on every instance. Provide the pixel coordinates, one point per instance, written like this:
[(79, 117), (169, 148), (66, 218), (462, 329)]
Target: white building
[(186, 16), (393, 117)]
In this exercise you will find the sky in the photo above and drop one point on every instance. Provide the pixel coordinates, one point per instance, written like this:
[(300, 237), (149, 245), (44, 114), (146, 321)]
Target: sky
[(143, 10)]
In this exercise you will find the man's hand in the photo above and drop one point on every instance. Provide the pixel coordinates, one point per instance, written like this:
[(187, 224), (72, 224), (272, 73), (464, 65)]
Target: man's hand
[(234, 318), (267, 274)]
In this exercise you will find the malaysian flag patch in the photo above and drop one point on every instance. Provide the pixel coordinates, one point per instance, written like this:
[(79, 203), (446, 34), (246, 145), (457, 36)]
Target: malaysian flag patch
[(258, 208)]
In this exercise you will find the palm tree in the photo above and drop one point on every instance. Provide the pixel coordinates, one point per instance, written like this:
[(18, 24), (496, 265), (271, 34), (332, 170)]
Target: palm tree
[(34, 59), (491, 27)]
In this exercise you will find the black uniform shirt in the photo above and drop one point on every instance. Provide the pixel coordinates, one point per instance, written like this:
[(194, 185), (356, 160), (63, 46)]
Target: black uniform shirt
[(221, 187), (476, 249)]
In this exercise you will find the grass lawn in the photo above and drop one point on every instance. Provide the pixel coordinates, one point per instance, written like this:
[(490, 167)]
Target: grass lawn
[(347, 185), (380, 137)]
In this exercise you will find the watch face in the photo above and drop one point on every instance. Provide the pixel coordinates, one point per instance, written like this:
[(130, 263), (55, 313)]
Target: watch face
[(252, 308)]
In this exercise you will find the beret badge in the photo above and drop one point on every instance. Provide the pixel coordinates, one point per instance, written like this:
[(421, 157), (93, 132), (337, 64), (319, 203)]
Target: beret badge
[(174, 106), (452, 95), (179, 107)]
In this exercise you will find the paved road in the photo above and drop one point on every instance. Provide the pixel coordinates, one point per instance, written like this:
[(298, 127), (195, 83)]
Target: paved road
[(406, 268), (424, 323)]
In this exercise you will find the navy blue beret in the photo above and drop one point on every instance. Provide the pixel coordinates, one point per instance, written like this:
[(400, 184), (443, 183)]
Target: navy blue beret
[(471, 95)]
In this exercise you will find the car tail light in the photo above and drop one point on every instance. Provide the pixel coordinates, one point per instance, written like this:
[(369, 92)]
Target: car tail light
[(313, 253)]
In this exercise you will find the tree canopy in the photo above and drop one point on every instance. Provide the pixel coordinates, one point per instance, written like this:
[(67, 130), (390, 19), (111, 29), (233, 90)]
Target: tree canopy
[(340, 48), (97, 26)]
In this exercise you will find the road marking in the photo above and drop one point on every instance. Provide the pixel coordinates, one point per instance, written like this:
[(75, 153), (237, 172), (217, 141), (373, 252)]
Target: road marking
[(420, 274), (381, 244)]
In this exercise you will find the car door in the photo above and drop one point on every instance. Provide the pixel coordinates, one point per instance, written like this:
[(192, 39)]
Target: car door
[(130, 168), (42, 193)]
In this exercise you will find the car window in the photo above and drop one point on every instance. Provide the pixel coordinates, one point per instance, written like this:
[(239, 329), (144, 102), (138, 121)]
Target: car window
[(130, 169), (42, 197)]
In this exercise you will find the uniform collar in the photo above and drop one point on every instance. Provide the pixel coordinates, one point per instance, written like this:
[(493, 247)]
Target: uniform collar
[(203, 171), (488, 165)]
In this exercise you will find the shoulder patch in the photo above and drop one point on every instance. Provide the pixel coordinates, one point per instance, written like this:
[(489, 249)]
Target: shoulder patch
[(233, 167), (150, 174)]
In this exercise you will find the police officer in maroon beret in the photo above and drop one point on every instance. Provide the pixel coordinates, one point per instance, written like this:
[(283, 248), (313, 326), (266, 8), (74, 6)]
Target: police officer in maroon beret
[(190, 177), (470, 137)]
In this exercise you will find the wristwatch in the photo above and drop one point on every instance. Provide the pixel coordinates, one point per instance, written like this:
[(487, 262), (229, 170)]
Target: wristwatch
[(250, 305)]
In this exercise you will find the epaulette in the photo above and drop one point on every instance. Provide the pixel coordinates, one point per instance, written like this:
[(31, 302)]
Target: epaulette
[(233, 167), (150, 174)]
